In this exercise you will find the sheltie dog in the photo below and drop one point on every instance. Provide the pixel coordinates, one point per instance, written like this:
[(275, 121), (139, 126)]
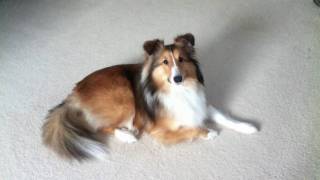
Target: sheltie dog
[(162, 96)]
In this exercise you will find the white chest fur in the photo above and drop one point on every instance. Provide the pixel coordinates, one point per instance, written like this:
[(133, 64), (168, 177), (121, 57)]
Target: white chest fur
[(186, 105)]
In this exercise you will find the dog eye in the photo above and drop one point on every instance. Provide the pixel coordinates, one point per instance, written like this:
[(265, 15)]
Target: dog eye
[(180, 59), (165, 61)]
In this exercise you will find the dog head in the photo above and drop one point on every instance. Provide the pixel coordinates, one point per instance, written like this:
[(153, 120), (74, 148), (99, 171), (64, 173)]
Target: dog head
[(171, 65)]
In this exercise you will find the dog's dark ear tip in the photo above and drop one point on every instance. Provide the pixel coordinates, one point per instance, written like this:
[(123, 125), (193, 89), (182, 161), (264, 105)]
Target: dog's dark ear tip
[(186, 37), (152, 46), (190, 38)]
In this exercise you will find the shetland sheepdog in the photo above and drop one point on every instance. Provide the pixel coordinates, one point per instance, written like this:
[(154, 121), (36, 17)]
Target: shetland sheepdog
[(162, 96)]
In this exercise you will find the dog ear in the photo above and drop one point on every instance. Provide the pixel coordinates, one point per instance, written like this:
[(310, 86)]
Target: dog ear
[(153, 46), (185, 40)]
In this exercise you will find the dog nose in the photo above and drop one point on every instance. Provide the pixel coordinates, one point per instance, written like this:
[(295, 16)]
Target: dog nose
[(177, 79)]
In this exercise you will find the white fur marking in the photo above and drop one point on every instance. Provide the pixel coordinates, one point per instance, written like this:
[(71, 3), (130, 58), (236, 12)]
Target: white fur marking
[(125, 136), (173, 59), (211, 134), (174, 70), (187, 105), (228, 122)]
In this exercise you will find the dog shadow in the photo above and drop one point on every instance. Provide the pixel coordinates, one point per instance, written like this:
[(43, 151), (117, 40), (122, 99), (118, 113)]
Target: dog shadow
[(226, 60)]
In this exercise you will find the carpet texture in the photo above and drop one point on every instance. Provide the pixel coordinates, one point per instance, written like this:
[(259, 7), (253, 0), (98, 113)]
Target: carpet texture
[(261, 61)]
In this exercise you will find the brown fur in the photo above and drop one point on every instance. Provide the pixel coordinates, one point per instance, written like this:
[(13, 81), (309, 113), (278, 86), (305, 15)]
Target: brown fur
[(108, 94), (167, 136)]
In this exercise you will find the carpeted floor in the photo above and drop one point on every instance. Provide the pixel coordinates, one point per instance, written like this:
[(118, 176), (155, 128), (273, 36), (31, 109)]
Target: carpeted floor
[(261, 61)]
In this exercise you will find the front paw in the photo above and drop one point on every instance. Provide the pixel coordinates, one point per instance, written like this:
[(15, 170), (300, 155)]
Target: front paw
[(246, 128), (211, 134)]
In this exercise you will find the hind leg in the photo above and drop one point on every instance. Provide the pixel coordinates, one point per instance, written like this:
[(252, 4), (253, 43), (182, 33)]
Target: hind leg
[(125, 135), (139, 124), (124, 132)]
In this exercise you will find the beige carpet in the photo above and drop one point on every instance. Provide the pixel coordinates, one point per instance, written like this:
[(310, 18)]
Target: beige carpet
[(261, 61)]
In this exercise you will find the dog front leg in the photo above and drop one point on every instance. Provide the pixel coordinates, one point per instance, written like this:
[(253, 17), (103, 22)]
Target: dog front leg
[(182, 134)]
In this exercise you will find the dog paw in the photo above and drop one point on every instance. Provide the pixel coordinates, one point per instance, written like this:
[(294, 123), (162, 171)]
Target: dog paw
[(246, 128), (125, 136), (211, 134)]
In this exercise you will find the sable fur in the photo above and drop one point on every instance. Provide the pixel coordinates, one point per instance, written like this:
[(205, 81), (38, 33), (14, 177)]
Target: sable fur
[(67, 125), (105, 99), (127, 100)]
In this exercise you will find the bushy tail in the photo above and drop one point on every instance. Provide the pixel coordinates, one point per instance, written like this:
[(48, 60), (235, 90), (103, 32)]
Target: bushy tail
[(229, 122), (67, 132)]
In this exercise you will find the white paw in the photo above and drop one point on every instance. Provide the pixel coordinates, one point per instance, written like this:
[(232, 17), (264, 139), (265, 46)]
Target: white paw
[(125, 136), (246, 128), (211, 134)]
